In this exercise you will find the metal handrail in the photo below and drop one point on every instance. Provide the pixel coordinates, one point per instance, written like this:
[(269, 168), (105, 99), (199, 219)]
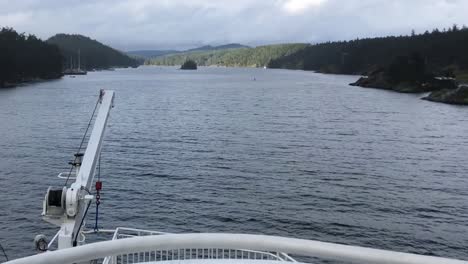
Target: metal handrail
[(138, 231), (299, 247), (125, 232)]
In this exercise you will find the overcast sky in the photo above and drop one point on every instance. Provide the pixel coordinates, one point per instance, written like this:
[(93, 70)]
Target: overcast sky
[(179, 24)]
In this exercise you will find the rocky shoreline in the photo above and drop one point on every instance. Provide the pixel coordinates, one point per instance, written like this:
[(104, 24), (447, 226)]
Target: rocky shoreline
[(381, 80), (29, 81), (442, 90), (458, 96)]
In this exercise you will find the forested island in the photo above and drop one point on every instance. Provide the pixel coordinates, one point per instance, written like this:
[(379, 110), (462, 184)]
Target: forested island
[(25, 58), (93, 54), (189, 65)]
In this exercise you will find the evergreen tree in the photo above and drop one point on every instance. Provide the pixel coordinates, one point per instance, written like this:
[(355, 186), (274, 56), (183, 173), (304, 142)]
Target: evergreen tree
[(93, 54), (23, 58), (439, 50)]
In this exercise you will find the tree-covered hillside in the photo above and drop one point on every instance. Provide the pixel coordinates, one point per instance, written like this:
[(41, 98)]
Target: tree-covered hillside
[(94, 55), (442, 52), (239, 57), (25, 57)]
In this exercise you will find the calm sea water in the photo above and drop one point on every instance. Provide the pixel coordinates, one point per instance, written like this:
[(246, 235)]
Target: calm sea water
[(275, 152)]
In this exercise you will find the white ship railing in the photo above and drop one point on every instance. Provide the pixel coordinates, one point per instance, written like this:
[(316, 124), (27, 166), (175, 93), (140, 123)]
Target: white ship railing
[(185, 253), (194, 254), (120, 248), (125, 232), (177, 254)]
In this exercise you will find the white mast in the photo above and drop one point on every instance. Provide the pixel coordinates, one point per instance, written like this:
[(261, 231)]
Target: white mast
[(69, 211), (79, 59)]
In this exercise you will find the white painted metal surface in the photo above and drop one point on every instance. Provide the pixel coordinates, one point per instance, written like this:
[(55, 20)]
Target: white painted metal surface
[(76, 202), (211, 261), (186, 254), (296, 247), (67, 175)]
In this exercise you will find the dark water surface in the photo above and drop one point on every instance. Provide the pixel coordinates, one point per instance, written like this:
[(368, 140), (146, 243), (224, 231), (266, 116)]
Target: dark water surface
[(293, 153)]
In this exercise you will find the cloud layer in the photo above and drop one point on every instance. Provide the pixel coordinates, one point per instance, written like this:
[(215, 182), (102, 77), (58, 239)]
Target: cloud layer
[(148, 24)]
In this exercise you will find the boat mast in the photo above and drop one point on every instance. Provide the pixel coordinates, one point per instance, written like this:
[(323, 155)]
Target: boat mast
[(79, 59)]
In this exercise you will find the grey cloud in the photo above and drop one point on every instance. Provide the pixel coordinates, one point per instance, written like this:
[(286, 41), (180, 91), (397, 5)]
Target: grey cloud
[(142, 24)]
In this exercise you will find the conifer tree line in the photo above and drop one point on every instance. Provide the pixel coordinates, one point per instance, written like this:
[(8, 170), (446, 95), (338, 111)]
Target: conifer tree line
[(25, 57), (444, 52), (89, 53)]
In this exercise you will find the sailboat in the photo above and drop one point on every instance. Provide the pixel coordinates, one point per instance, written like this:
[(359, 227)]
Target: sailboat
[(75, 71)]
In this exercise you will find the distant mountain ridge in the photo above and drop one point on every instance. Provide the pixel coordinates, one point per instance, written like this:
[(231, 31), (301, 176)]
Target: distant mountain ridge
[(148, 54), (151, 53), (221, 47), (93, 54)]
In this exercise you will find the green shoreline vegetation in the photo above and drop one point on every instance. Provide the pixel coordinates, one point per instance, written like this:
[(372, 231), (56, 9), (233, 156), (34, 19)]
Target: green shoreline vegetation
[(25, 58), (93, 54), (444, 54), (237, 57), (410, 64)]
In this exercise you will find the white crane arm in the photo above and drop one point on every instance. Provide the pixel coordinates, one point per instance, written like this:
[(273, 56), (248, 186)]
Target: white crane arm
[(69, 211)]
